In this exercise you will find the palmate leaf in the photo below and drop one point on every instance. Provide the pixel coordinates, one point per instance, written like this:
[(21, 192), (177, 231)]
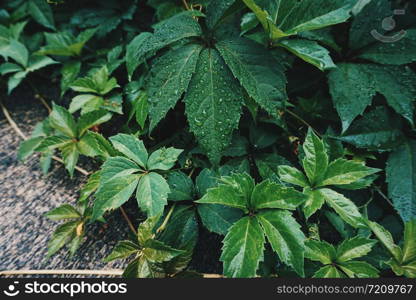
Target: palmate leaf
[(117, 167), (178, 27), (314, 201), (354, 248), (310, 51), (328, 272), (213, 104), (182, 187), (122, 249), (284, 235), (315, 162), (342, 171), (378, 130), (401, 179), (268, 194), (41, 12), (152, 193), (235, 191), (243, 248), (70, 155), (61, 235), (320, 251), (218, 218), (282, 18), (63, 121), (359, 269), (386, 239), (353, 87), (398, 53), (344, 207), (63, 212), (163, 159), (169, 79), (292, 175), (258, 71), (113, 194), (131, 147)]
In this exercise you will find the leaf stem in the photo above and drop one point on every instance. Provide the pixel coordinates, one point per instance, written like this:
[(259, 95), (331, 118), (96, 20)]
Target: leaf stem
[(383, 195), (302, 121), (165, 222), (126, 217), (186, 5)]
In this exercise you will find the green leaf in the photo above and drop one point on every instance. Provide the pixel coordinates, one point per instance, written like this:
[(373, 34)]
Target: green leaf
[(113, 194), (386, 240), (328, 272), (89, 187), (181, 186), (213, 104), (378, 130), (63, 212), (272, 195), (62, 120), (147, 229), (163, 159), (401, 179), (85, 102), (284, 235), (53, 142), (409, 246), (69, 72), (268, 165), (61, 235), (169, 79), (234, 191), (17, 51), (359, 269), (314, 201), (7, 68), (354, 248), (311, 52), (268, 21), (158, 252), (205, 180), (27, 147), (131, 147), (117, 167), (152, 193), (315, 161), (70, 157), (320, 251), (37, 62), (141, 108), (217, 10), (400, 52), (243, 248), (315, 14), (92, 119), (41, 12), (258, 72), (176, 28), (293, 176), (122, 249), (368, 22), (353, 87), (344, 207), (218, 218), (342, 171), (133, 48)]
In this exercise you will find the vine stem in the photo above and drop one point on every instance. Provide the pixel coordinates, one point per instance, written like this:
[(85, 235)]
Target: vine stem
[(302, 121), (126, 217), (166, 220), (383, 195), (58, 159), (40, 98), (186, 5)]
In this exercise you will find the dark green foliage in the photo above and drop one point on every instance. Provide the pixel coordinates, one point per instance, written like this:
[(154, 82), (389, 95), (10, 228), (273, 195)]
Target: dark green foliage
[(295, 121)]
